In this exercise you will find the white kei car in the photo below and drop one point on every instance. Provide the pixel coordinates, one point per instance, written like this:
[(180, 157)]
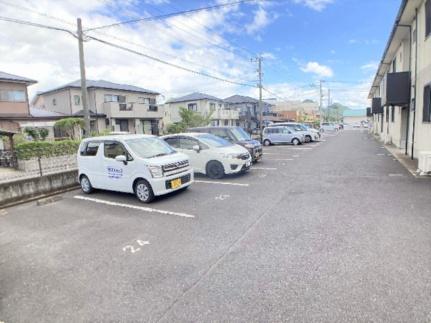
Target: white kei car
[(141, 164), (211, 155)]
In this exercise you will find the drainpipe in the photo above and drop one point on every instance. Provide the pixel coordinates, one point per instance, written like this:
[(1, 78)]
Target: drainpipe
[(416, 79)]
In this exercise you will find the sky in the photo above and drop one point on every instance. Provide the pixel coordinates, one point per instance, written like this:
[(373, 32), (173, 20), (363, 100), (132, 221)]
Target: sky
[(301, 41)]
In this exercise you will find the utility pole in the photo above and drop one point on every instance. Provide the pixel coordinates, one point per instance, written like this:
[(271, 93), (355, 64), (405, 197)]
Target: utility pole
[(83, 79), (329, 102), (320, 103), (259, 59)]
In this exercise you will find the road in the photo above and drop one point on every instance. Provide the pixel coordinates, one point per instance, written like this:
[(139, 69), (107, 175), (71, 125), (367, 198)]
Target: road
[(330, 232)]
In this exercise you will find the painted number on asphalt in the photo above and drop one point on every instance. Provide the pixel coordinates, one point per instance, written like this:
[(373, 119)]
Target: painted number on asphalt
[(222, 197), (133, 249)]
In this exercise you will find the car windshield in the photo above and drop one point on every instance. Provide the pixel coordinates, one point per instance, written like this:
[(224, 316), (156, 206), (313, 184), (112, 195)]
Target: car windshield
[(240, 134), (214, 141), (149, 147)]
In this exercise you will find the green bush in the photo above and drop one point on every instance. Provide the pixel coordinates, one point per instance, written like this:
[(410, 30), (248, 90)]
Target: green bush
[(46, 148)]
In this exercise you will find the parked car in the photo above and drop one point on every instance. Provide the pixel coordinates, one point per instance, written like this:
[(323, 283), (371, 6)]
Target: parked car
[(141, 164), (282, 135), (328, 127), (211, 155), (310, 134), (235, 135)]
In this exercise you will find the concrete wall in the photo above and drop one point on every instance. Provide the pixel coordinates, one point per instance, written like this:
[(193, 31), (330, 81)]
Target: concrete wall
[(23, 189), (422, 129), (14, 108)]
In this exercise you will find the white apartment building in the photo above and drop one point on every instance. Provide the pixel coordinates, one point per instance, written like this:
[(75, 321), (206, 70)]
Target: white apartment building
[(222, 114), (401, 90), (116, 107)]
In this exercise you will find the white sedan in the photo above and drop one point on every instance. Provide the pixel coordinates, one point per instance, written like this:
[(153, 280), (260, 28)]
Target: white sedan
[(211, 155)]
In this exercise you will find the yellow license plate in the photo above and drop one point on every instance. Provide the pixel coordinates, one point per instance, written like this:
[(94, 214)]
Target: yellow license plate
[(175, 183)]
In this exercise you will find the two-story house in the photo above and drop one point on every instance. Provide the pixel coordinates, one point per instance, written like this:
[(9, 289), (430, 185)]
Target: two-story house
[(116, 107), (401, 91), (221, 113), (13, 102), (249, 111)]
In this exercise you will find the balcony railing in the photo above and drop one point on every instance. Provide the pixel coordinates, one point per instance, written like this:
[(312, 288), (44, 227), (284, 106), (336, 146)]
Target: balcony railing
[(132, 110)]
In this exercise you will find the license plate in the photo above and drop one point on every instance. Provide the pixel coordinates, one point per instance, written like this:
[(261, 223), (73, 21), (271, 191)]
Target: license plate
[(175, 183)]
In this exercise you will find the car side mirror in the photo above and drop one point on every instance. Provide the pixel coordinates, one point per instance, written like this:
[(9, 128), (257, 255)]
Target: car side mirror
[(196, 148), (121, 158)]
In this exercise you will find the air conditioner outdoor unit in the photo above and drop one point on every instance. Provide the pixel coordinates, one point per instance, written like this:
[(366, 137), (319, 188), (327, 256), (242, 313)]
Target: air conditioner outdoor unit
[(424, 162)]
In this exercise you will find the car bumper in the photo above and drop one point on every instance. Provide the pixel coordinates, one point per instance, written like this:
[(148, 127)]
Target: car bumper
[(255, 153), (236, 166), (162, 186)]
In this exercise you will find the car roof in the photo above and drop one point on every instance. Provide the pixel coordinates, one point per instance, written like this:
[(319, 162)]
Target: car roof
[(216, 127), (190, 134), (117, 137)]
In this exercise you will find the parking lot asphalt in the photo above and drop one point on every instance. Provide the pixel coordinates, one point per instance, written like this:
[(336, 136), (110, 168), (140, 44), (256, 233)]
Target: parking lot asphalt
[(325, 232)]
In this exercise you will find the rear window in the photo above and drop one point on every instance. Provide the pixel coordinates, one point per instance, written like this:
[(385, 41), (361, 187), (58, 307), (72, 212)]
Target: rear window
[(90, 148)]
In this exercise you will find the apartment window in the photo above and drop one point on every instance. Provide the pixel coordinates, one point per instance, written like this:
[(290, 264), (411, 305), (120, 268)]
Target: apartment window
[(77, 99), (153, 108), (387, 114), (212, 107), (54, 101), (12, 96), (427, 104), (192, 107), (115, 98), (428, 18), (226, 122), (394, 65), (392, 114), (125, 106), (144, 100)]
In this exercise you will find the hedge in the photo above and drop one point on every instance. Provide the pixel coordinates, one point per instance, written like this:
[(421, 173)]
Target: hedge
[(33, 149)]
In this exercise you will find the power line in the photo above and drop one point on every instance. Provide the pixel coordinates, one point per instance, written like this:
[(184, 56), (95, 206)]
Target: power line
[(170, 64), (29, 23), (172, 14), (108, 35)]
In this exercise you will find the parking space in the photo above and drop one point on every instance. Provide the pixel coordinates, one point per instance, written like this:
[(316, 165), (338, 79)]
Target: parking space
[(87, 256)]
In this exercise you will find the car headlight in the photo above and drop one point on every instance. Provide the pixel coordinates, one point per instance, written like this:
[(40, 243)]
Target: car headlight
[(231, 156), (156, 171)]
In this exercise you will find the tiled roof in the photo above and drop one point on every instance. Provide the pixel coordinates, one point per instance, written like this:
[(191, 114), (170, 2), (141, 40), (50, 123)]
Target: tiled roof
[(15, 78), (196, 96), (41, 113), (102, 85), (235, 99)]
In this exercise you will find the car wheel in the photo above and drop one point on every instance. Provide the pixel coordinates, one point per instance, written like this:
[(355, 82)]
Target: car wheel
[(295, 141), (266, 142), (215, 170), (86, 186), (143, 191), (308, 139)]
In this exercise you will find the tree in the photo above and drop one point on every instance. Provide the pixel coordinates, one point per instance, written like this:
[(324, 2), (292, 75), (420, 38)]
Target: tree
[(32, 132), (43, 133), (189, 119), (69, 126)]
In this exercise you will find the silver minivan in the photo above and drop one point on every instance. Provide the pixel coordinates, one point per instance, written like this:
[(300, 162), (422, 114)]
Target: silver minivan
[(282, 135)]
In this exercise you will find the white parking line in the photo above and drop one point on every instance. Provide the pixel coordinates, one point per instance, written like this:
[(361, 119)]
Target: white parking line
[(288, 159), (222, 183), (395, 175), (135, 207), (263, 168)]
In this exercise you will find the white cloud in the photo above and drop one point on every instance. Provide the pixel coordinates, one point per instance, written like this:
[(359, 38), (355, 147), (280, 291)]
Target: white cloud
[(317, 5), (156, 2), (261, 19), (51, 57), (370, 67), (317, 69), (268, 55)]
